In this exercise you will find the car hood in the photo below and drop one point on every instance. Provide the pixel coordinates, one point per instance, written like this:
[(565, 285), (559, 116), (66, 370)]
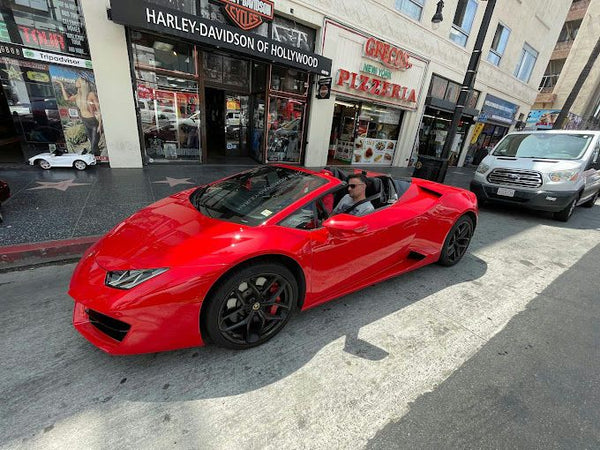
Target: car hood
[(168, 233), (540, 165)]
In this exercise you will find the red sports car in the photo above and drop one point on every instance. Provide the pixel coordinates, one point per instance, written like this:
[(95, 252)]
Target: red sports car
[(229, 262)]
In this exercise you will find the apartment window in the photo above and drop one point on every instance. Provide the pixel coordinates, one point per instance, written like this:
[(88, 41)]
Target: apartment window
[(569, 31), (526, 63), (550, 78), (498, 44), (412, 8), (463, 21)]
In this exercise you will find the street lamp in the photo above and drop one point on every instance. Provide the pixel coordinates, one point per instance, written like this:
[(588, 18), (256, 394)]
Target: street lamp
[(437, 17), (435, 168)]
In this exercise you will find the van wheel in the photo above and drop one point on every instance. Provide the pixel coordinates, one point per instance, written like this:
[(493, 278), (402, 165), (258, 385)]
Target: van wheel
[(591, 201), (565, 214)]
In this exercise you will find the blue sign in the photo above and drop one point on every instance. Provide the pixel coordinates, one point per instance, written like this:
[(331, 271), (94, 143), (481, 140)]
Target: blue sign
[(498, 110), (541, 119)]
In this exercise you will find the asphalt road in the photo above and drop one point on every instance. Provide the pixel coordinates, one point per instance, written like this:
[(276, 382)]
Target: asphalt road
[(499, 351)]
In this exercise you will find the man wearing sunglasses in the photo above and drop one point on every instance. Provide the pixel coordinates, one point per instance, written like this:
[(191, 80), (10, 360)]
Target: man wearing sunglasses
[(357, 185)]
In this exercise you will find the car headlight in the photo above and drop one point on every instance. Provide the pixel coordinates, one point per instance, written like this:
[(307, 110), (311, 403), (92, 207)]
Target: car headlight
[(128, 279), (564, 175), (482, 168)]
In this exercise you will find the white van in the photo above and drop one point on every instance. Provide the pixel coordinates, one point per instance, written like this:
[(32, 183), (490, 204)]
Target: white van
[(544, 170)]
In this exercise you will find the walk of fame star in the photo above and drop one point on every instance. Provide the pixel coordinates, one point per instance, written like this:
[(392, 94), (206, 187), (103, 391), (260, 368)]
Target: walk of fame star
[(59, 185), (174, 181)]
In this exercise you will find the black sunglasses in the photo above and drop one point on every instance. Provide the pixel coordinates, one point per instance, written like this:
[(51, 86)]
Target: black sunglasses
[(352, 186)]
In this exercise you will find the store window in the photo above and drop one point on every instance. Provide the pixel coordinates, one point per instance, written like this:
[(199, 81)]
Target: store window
[(227, 71), (463, 21), (293, 34), (50, 25), (498, 44), (167, 98), (526, 63), (363, 133), (412, 8), (53, 107), (290, 81), (285, 129)]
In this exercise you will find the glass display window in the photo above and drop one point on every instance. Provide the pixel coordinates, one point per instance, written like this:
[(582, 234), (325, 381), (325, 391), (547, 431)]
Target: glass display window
[(153, 52), (171, 121), (285, 129), (227, 71), (50, 25), (363, 133), (291, 81)]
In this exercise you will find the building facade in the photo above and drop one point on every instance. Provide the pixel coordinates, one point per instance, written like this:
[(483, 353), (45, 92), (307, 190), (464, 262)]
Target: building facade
[(577, 39), (238, 81)]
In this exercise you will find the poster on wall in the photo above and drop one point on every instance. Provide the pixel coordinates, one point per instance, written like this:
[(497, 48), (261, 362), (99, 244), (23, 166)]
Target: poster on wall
[(344, 150), (374, 151), (79, 111)]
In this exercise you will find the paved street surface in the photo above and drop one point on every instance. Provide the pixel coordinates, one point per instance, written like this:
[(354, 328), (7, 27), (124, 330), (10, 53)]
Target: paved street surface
[(499, 351)]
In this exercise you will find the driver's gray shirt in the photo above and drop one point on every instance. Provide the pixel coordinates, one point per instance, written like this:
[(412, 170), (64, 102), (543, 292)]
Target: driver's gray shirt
[(360, 210)]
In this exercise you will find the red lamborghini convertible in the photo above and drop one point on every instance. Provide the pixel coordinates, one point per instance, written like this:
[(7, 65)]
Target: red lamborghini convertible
[(229, 262)]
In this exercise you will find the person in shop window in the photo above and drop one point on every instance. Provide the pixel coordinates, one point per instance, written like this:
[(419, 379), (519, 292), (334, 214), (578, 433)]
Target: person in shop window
[(87, 103)]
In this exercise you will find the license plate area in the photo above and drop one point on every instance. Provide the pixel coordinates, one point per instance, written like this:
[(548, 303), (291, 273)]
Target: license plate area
[(505, 192)]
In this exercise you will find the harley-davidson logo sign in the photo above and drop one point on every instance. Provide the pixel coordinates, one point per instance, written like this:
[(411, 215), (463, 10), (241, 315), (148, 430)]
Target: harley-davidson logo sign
[(248, 14)]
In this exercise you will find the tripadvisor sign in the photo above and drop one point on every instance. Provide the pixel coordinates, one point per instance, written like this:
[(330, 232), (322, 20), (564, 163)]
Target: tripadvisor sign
[(143, 15), (248, 14)]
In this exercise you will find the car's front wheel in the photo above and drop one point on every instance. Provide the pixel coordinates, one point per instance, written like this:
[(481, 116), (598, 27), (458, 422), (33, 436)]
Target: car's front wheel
[(457, 241), (44, 164), (80, 165), (251, 305), (565, 214)]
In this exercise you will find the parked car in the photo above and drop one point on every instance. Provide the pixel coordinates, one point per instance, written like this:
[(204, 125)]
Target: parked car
[(4, 195), (230, 261), (543, 170), (57, 158)]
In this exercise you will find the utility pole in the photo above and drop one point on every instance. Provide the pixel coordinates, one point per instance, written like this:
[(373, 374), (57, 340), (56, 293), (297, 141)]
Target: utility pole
[(564, 112), (432, 168)]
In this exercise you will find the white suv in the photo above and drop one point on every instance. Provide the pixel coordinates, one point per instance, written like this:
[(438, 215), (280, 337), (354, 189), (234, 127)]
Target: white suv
[(544, 170)]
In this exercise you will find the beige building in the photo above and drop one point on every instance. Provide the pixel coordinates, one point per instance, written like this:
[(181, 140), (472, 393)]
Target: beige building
[(576, 41), (364, 82)]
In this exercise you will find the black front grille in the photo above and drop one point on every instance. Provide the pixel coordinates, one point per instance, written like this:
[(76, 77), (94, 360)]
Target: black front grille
[(515, 177), (109, 326)]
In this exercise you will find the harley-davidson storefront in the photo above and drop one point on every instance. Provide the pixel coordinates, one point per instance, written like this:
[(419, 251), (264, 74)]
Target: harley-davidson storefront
[(219, 81)]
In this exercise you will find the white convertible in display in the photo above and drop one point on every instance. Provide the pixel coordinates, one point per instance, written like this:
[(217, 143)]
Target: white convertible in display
[(59, 159)]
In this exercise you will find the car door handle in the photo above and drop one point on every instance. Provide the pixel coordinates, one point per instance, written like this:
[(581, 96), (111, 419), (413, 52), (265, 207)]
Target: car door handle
[(361, 229)]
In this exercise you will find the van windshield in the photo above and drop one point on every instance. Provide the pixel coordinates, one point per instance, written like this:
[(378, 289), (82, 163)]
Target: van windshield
[(544, 145)]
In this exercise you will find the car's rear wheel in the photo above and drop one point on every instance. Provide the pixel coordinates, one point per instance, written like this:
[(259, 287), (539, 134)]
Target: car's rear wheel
[(251, 305), (44, 164), (592, 201), (565, 214), (457, 241), (80, 165)]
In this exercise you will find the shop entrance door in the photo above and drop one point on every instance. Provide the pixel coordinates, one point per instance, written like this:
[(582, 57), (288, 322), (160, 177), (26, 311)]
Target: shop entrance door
[(227, 127)]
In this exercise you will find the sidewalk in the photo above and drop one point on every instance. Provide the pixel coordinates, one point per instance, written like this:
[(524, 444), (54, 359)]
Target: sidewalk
[(56, 214)]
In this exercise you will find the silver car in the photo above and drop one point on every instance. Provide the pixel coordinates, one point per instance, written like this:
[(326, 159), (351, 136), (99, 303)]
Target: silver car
[(544, 170)]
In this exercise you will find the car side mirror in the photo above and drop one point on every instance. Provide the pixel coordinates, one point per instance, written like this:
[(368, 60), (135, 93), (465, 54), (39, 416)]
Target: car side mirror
[(345, 224)]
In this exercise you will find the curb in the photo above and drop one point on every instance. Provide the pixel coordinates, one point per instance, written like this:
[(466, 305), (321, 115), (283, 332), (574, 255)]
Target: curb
[(16, 256)]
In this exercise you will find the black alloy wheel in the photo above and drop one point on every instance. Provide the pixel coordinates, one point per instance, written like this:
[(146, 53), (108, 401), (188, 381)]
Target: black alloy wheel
[(251, 306), (457, 242)]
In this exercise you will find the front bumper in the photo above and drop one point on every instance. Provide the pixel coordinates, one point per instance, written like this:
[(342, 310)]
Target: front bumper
[(161, 314), (540, 199)]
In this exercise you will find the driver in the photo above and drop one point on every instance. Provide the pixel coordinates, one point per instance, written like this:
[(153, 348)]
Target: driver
[(357, 185)]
